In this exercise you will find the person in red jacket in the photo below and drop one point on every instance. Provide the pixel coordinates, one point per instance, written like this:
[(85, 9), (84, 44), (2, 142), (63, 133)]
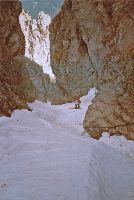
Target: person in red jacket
[(77, 103)]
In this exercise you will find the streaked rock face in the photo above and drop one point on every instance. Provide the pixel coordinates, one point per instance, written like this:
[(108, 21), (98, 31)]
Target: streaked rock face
[(92, 45), (37, 43)]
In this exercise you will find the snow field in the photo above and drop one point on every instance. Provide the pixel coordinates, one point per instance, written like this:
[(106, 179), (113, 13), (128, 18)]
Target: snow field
[(43, 156)]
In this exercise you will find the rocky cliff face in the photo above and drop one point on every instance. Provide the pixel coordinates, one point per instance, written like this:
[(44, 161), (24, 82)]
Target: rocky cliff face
[(70, 59), (37, 43), (11, 36), (92, 45), (21, 80)]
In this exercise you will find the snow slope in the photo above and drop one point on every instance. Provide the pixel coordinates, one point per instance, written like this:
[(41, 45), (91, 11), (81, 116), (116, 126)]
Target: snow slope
[(45, 156), (37, 43)]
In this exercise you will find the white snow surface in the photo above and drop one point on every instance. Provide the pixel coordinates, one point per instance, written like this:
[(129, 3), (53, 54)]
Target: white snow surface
[(37, 42), (45, 156)]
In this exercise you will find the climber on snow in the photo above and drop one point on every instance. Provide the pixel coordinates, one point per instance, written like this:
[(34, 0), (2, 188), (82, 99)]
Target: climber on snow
[(77, 103)]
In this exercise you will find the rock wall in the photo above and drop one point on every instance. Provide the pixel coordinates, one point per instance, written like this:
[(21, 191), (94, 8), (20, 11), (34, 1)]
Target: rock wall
[(11, 36), (21, 80), (96, 48), (37, 43), (70, 59)]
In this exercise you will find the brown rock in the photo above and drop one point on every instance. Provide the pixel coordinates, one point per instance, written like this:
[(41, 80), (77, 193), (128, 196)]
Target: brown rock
[(92, 45), (11, 37), (21, 80)]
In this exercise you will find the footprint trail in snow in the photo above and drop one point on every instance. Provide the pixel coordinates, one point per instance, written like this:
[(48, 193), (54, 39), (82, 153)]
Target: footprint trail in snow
[(43, 156)]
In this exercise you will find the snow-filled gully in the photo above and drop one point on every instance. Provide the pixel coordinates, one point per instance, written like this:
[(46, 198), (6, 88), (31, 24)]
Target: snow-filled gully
[(45, 156)]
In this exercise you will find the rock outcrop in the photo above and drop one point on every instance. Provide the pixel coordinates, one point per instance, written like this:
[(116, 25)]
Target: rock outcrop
[(21, 80), (37, 43), (70, 59), (11, 36), (92, 45)]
